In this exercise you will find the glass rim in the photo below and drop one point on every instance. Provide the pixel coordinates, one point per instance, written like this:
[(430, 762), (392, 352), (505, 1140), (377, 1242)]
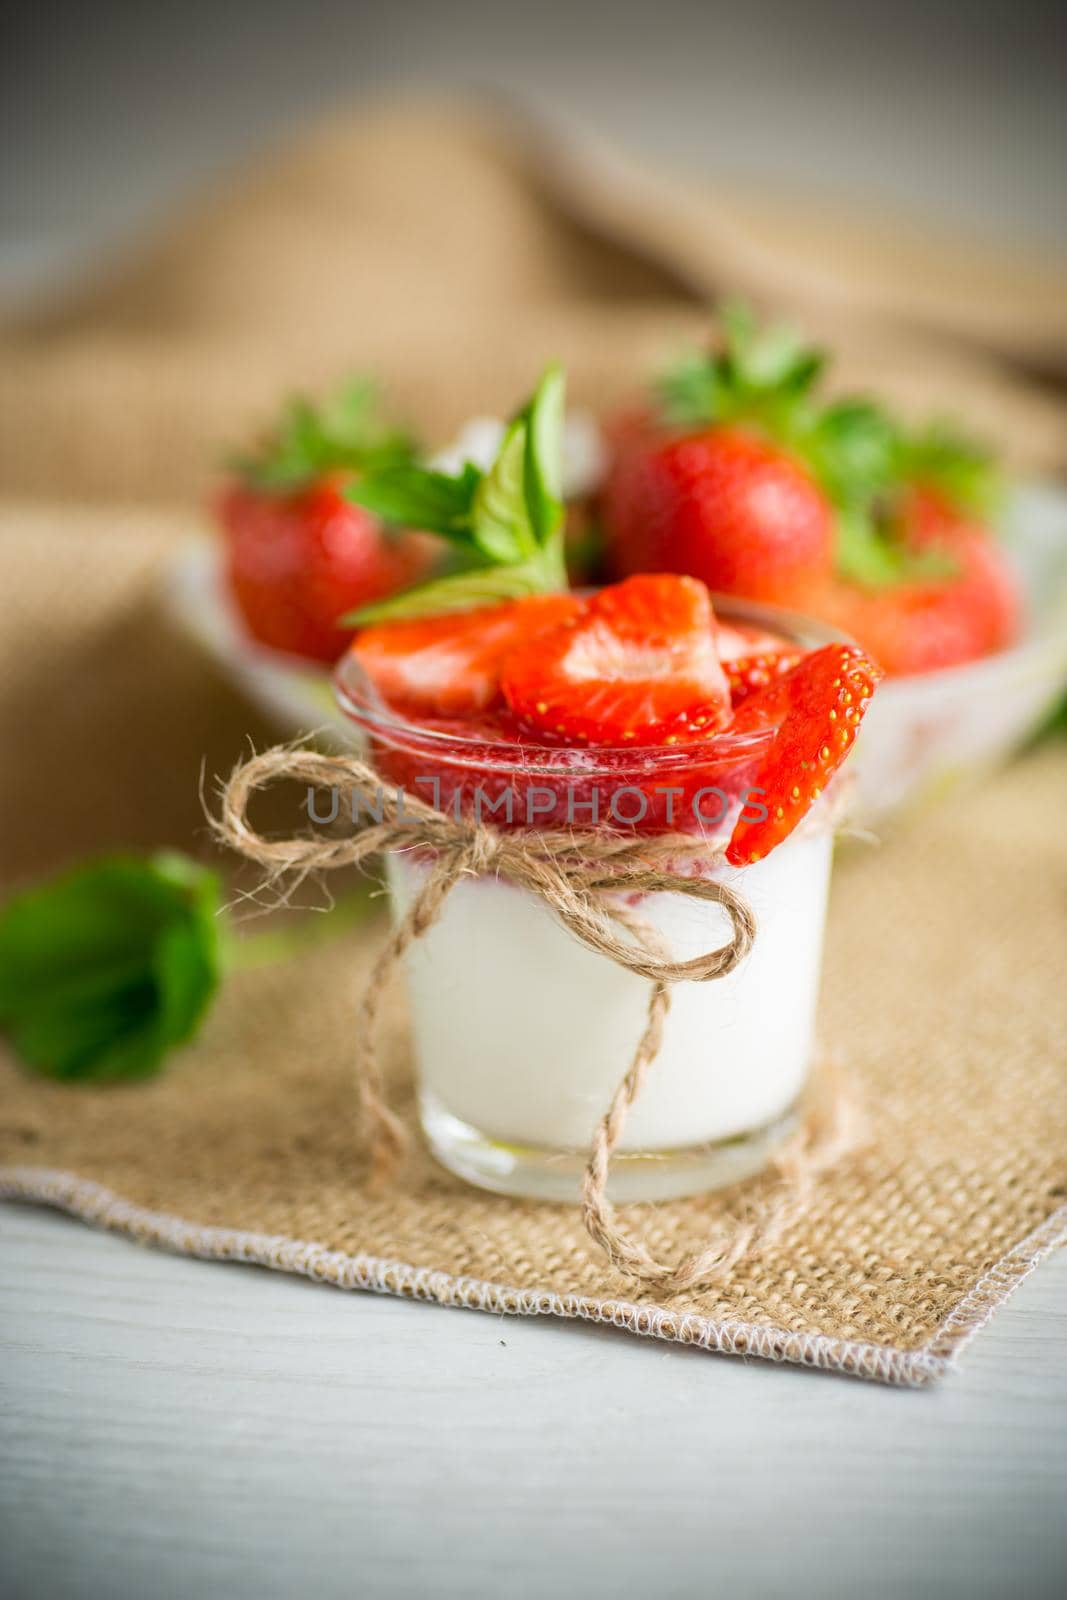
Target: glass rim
[(362, 704)]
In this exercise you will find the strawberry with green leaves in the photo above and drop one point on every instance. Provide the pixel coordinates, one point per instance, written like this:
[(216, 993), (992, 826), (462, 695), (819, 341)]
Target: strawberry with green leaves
[(921, 581), (743, 477), (710, 483), (298, 553)]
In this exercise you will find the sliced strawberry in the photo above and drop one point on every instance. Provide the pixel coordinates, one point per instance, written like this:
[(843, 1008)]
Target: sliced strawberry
[(817, 707), (752, 657), (637, 665), (450, 665), (748, 674), (734, 639)]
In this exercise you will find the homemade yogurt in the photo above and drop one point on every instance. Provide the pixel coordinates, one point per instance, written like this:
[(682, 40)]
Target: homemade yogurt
[(522, 1034)]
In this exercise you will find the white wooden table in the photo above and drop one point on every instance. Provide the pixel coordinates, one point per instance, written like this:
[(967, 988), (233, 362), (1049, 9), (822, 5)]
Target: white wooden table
[(173, 1428)]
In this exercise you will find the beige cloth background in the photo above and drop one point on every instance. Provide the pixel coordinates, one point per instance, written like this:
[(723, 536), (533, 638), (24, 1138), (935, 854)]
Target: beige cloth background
[(454, 252), (451, 249)]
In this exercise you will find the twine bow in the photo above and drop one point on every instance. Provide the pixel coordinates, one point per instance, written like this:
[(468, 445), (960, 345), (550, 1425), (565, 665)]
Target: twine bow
[(582, 878)]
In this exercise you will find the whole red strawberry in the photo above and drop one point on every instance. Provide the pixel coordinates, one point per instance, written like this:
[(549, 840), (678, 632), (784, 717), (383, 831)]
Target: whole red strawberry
[(722, 505), (934, 522), (954, 599), (710, 484), (744, 478), (299, 554)]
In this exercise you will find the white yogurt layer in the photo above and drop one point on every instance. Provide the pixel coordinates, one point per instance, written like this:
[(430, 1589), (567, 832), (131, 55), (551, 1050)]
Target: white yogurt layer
[(524, 1034)]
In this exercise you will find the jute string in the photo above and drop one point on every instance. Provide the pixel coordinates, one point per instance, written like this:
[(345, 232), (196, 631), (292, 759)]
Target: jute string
[(582, 877)]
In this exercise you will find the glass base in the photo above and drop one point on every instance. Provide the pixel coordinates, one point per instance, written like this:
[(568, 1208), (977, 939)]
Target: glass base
[(530, 1172)]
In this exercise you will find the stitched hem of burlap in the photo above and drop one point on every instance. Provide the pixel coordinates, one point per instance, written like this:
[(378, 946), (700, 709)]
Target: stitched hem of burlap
[(92, 1203)]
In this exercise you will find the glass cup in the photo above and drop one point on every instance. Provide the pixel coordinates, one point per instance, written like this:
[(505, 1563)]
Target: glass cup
[(522, 1034)]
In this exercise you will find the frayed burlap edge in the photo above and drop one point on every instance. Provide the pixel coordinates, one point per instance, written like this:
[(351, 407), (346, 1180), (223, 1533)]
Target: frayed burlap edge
[(92, 1203)]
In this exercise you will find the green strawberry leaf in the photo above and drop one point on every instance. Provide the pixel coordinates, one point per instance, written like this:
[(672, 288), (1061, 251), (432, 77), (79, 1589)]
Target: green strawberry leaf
[(108, 967), (862, 555), (863, 459), (692, 393), (760, 376), (873, 556), (343, 434), (960, 469), (851, 446), (763, 360)]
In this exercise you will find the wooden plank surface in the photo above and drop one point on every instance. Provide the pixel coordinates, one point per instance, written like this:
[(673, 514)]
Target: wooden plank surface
[(177, 1428)]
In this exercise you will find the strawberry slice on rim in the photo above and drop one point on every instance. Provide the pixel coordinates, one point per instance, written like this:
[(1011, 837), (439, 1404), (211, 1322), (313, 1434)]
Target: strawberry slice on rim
[(817, 706), (449, 665), (637, 665)]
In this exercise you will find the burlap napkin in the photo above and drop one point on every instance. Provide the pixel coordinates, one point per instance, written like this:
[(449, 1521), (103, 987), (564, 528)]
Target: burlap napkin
[(944, 996), (944, 988)]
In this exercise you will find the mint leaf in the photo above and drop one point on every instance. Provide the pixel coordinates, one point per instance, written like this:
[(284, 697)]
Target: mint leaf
[(500, 520), (543, 465), (415, 497), (106, 968), (505, 524), (519, 505), (460, 591)]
